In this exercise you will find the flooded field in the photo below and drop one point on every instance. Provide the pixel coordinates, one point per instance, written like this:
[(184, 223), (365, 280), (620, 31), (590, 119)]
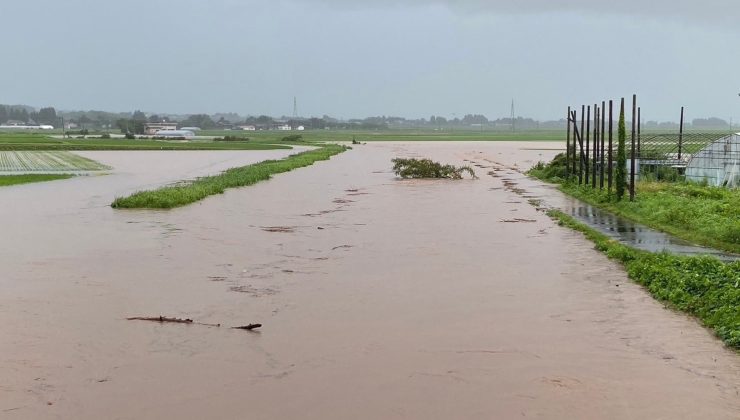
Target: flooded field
[(380, 298)]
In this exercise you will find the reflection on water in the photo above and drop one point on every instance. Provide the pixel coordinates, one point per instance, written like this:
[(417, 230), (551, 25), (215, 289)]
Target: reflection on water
[(635, 234)]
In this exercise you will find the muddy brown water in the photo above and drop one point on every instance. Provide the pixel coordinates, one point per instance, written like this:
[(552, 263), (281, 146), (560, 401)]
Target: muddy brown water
[(380, 298)]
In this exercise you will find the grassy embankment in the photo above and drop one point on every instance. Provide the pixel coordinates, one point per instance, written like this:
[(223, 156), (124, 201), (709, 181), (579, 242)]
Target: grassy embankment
[(190, 192), (708, 216), (8, 180), (701, 286)]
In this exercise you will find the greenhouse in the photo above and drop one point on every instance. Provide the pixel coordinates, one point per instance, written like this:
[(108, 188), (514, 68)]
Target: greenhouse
[(718, 164)]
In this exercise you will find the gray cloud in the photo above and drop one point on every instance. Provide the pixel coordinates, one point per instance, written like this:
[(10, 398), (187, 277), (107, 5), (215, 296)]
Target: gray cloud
[(719, 11), (354, 58)]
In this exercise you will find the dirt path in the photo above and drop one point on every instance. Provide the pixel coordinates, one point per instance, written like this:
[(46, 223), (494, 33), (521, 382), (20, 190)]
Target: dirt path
[(380, 299)]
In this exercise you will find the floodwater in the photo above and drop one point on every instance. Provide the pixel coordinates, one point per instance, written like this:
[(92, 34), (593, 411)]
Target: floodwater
[(380, 298)]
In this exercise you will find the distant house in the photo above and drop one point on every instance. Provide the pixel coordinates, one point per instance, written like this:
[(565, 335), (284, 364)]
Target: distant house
[(284, 127), (248, 128), (154, 128), (300, 128)]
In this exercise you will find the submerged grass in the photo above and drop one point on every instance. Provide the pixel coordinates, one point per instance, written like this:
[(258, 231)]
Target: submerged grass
[(8, 180), (705, 215), (701, 286), (187, 193), (426, 168)]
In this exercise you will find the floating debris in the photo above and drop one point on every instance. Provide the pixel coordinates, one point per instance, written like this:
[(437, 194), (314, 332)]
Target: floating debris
[(249, 327)]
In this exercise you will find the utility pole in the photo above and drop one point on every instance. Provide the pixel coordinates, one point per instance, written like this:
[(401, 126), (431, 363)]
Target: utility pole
[(513, 123)]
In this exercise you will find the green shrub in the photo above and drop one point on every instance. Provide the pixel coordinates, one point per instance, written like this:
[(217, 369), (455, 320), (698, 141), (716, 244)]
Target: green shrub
[(293, 137), (426, 168), (231, 138)]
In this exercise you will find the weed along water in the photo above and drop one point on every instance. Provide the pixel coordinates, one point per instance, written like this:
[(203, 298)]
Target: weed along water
[(378, 297)]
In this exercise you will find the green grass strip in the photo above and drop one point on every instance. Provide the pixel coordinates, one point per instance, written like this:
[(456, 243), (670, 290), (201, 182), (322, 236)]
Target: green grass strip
[(8, 180), (187, 193), (704, 287)]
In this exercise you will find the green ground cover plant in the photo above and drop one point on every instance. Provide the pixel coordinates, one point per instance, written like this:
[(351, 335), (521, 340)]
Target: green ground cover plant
[(8, 180), (190, 192), (701, 286)]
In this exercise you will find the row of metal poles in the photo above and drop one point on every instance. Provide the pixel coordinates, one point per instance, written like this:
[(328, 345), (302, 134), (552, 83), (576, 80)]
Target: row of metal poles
[(590, 149)]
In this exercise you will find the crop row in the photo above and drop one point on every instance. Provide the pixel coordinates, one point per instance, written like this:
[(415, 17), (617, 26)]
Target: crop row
[(46, 161)]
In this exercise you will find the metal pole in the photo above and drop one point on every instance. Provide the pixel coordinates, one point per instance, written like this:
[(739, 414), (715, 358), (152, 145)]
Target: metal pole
[(632, 160), (639, 125), (603, 134), (567, 149), (581, 157), (576, 137), (680, 136), (573, 120), (596, 146), (588, 141), (611, 131)]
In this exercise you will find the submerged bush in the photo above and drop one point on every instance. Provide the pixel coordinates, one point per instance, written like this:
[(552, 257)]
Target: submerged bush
[(426, 168)]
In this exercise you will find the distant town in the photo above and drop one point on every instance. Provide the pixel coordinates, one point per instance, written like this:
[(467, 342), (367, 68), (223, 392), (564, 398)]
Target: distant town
[(20, 117)]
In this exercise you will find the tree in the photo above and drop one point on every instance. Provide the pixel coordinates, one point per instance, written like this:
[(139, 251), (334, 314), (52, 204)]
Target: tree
[(621, 172), (198, 120), (128, 126), (47, 116), (139, 116)]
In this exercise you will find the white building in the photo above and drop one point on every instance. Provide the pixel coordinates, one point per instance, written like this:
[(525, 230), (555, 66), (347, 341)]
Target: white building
[(175, 134), (155, 128)]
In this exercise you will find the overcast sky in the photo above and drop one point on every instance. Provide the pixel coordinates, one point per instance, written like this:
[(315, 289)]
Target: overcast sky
[(356, 58)]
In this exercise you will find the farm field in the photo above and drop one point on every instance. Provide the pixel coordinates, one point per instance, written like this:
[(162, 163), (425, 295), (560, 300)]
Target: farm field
[(396, 135), (46, 161), (42, 142)]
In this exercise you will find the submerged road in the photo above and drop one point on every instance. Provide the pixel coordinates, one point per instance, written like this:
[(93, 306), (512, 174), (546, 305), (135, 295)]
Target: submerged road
[(380, 299)]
